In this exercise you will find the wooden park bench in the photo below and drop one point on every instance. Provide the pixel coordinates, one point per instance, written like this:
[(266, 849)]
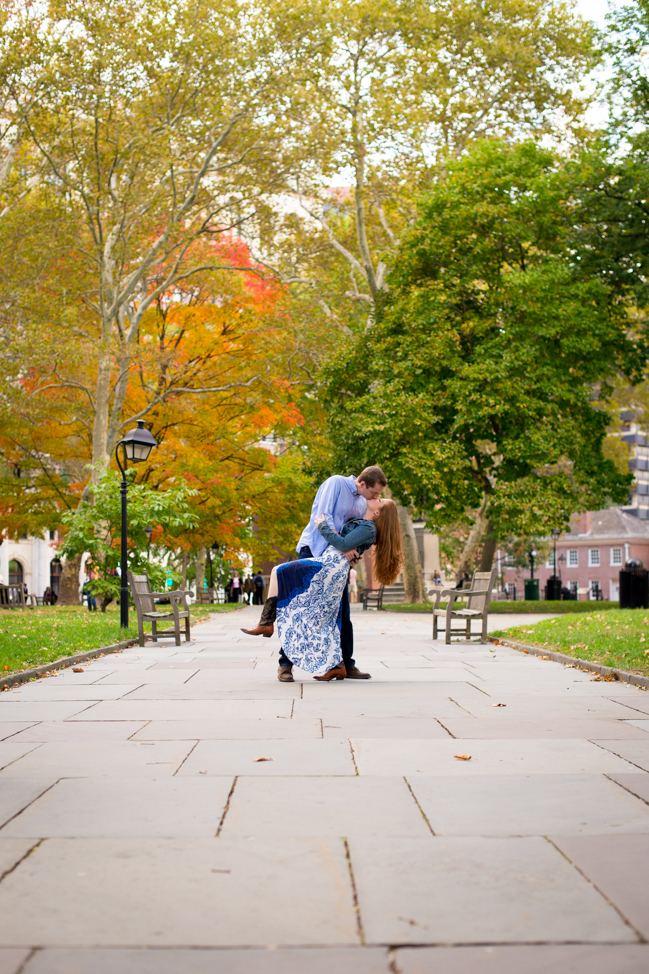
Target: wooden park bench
[(145, 606), (208, 597), (477, 598), (13, 597), (372, 597)]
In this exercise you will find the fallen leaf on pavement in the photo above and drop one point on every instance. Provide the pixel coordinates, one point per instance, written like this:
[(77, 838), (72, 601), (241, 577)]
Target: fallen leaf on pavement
[(499, 705), (263, 759), (463, 757), (526, 651), (77, 669)]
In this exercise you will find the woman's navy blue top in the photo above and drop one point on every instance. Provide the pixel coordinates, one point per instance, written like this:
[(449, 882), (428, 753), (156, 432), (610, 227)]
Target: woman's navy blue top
[(356, 533)]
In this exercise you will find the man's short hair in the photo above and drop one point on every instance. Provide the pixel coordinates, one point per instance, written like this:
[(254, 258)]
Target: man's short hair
[(372, 476)]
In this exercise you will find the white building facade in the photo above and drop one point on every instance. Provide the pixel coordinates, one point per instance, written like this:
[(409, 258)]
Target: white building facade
[(34, 562)]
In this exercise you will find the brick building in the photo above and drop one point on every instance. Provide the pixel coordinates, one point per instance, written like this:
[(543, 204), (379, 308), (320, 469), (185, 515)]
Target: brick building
[(597, 546)]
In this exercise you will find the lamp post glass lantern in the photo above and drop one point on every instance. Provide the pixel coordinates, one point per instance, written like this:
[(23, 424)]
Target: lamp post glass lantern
[(136, 447)]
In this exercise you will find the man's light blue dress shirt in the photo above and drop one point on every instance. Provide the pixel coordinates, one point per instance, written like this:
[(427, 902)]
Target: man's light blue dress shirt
[(339, 500)]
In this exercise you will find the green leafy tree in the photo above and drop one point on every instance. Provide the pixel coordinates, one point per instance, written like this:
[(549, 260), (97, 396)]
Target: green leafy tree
[(95, 528), (483, 388)]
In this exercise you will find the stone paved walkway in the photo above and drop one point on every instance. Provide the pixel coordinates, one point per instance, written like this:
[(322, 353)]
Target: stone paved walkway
[(179, 811)]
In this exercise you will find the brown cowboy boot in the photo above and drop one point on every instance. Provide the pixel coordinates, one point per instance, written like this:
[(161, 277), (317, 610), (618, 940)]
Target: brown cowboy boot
[(268, 615)]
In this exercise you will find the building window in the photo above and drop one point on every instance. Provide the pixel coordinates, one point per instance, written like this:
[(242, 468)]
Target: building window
[(573, 558), (594, 591), (549, 561), (616, 556), (573, 589), (593, 557), (16, 575), (56, 570)]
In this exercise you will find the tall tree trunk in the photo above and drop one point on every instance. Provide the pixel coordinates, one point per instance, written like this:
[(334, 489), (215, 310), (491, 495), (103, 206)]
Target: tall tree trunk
[(69, 584), (413, 576), (201, 554), (472, 542), (488, 548)]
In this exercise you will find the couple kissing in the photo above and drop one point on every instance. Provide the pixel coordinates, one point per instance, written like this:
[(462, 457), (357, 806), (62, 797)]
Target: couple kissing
[(309, 598)]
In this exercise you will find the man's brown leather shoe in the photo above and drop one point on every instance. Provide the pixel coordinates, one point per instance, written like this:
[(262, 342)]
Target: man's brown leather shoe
[(285, 674), (353, 673), (260, 631)]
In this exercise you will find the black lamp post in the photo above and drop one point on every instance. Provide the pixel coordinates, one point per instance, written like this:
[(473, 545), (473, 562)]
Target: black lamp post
[(148, 532), (556, 534), (532, 556), (136, 446)]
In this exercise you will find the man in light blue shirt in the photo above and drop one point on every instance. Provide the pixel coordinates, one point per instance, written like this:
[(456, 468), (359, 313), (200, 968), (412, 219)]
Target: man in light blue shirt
[(339, 499)]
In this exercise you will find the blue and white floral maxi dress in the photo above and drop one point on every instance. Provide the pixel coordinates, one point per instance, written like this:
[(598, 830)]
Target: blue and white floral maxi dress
[(309, 610)]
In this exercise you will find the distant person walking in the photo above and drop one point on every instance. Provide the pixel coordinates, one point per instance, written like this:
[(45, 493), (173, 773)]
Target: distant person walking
[(233, 588), (258, 597), (248, 589)]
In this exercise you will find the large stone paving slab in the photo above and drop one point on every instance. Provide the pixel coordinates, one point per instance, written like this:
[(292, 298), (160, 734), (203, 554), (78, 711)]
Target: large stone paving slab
[(88, 730), (204, 892), (84, 760), (241, 729), (296, 960), (337, 707), (164, 709), (282, 757), (519, 728), (477, 890), (17, 793), (11, 752), (126, 808), (12, 960), (393, 727), (206, 664), (618, 865), (30, 710), (638, 701), (60, 691), (323, 807), (499, 757), (11, 852), (637, 752), (529, 805), (537, 959), (545, 706), (9, 728), (637, 784), (207, 690)]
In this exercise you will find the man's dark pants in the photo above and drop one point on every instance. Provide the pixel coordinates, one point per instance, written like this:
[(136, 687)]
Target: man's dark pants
[(346, 630)]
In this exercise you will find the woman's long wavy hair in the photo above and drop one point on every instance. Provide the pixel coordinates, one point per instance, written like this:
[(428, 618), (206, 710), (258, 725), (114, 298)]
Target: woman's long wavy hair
[(388, 554)]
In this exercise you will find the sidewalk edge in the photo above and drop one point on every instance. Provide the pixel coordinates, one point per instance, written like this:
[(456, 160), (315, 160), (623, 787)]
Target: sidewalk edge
[(23, 676), (622, 675)]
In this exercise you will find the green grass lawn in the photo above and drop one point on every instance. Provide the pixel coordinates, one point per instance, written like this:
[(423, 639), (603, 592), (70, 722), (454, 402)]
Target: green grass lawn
[(31, 637), (618, 637), (512, 608)]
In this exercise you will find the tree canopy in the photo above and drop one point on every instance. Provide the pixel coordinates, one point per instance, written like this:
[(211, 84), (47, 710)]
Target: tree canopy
[(484, 384)]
